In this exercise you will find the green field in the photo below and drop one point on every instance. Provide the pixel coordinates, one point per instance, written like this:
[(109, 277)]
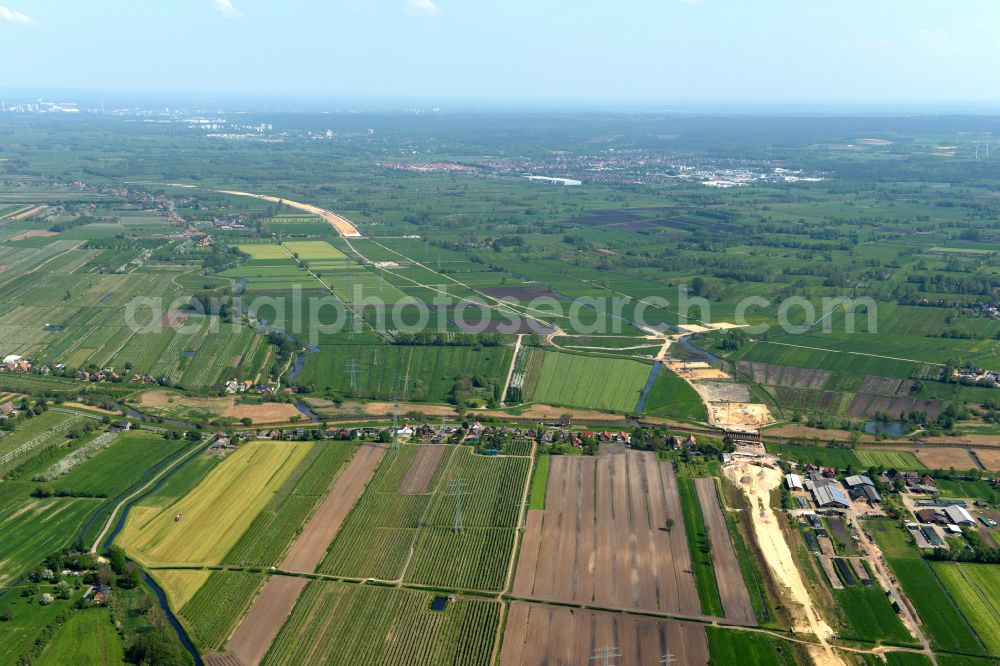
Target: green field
[(943, 619), (34, 528), (19, 635), (700, 548), (377, 537), (433, 371), (671, 396), (974, 587), (398, 628), (213, 612), (539, 482), (590, 382), (119, 466), (88, 637), (868, 616), (975, 490), (822, 455), (727, 646), (901, 460)]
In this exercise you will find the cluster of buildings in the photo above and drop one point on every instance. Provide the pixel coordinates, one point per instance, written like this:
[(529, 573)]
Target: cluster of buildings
[(246, 386), (15, 363), (830, 493), (977, 376)]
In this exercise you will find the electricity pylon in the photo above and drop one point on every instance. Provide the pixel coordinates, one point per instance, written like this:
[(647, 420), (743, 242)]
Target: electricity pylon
[(457, 490), (605, 654)]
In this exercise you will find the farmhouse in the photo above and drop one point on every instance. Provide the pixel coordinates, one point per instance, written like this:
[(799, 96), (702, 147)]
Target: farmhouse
[(6, 409)]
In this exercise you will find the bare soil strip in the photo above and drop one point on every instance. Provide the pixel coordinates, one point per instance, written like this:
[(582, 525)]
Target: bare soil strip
[(254, 635), (538, 634), (605, 537), (732, 589), (342, 225), (311, 546), (252, 639), (421, 473)]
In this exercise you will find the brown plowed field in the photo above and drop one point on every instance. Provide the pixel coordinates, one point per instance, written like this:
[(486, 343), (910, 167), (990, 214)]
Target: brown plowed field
[(418, 477), (784, 375), (732, 588), (990, 459), (602, 537), (310, 547), (254, 635), (867, 405), (537, 634), (944, 457)]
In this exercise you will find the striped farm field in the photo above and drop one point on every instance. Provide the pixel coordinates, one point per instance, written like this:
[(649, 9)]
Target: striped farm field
[(889, 459), (974, 588), (214, 515), (315, 250), (392, 534), (589, 381), (362, 625), (213, 612), (263, 251)]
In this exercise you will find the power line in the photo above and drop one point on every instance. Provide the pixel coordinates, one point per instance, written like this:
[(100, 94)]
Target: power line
[(668, 658), (525, 505), (605, 654), (457, 490), (353, 370)]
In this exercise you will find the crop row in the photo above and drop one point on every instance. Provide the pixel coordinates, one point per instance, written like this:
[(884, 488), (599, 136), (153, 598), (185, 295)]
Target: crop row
[(275, 527), (399, 628), (214, 610)]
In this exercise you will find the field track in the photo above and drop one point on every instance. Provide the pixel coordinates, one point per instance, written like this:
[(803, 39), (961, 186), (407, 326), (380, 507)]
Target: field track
[(602, 537), (310, 547), (732, 589), (254, 635), (537, 634)]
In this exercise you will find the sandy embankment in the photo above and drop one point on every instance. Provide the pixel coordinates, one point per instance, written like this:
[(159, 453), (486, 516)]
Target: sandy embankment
[(757, 482)]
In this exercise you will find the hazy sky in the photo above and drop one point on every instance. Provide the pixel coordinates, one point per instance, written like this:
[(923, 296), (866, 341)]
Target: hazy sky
[(882, 51)]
